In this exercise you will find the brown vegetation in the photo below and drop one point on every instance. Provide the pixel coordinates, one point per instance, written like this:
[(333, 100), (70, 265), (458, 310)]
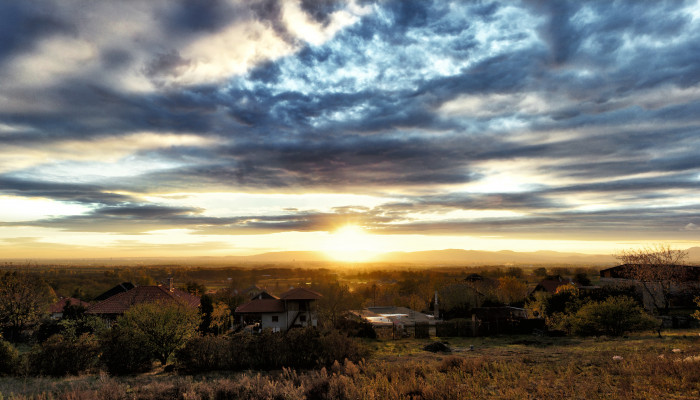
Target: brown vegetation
[(497, 369)]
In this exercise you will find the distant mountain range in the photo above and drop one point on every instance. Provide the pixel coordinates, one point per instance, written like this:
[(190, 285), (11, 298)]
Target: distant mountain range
[(459, 256), (433, 257), (446, 257)]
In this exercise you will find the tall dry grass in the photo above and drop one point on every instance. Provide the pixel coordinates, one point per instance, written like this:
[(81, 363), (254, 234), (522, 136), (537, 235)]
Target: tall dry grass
[(640, 375)]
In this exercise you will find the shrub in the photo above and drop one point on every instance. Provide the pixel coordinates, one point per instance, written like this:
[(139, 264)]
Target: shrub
[(613, 316), (125, 353), (297, 348), (356, 327), (8, 357), (204, 353), (60, 355)]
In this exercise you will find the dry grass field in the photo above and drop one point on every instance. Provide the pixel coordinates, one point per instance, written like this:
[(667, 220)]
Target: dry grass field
[(509, 367)]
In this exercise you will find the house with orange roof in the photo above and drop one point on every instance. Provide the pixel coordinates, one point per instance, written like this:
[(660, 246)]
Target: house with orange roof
[(293, 308), (114, 306)]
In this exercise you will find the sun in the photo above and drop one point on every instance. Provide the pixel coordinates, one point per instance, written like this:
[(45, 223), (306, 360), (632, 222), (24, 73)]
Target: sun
[(351, 244)]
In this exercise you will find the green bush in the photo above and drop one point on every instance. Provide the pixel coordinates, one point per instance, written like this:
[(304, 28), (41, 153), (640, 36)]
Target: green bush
[(613, 316), (8, 357), (60, 355)]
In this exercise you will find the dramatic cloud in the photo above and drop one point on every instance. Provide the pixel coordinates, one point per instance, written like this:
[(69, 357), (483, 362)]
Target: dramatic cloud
[(534, 119)]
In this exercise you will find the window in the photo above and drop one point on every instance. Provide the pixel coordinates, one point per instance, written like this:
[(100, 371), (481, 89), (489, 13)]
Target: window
[(275, 318)]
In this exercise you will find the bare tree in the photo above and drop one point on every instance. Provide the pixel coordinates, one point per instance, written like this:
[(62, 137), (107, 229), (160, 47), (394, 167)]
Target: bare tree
[(658, 268)]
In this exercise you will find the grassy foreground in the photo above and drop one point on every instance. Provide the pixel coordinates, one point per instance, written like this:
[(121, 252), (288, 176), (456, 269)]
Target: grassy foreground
[(513, 367)]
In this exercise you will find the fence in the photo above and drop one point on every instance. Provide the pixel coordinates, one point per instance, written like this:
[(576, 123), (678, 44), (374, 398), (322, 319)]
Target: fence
[(460, 328)]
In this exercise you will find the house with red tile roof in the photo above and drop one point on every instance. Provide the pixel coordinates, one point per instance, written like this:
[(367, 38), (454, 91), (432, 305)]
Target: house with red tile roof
[(116, 305), (293, 308)]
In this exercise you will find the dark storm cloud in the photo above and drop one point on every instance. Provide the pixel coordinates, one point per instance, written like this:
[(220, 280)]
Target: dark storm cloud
[(23, 23), (69, 192), (200, 16), (320, 10), (613, 82), (139, 218)]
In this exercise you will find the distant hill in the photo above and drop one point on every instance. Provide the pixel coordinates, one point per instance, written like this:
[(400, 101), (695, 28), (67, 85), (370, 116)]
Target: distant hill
[(471, 257), (446, 257), (287, 256), (437, 257)]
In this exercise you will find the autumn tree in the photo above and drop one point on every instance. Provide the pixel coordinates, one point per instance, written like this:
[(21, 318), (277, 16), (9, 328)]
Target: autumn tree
[(511, 290), (658, 268), (163, 326), (23, 300)]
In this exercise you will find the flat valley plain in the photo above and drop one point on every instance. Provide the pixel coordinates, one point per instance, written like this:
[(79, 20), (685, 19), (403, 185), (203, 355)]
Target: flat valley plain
[(641, 366)]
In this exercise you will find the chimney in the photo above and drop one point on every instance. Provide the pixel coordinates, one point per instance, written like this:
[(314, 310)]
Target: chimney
[(170, 283)]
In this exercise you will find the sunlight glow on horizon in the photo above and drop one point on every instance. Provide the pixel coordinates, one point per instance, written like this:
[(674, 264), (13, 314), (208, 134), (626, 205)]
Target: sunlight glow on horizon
[(351, 243)]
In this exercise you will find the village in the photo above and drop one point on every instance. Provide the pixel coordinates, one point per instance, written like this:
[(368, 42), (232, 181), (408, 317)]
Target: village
[(194, 320)]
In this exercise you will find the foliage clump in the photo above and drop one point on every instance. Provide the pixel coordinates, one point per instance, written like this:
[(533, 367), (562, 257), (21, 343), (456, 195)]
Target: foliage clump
[(9, 357), (163, 327), (297, 348), (614, 317), (64, 355), (570, 311)]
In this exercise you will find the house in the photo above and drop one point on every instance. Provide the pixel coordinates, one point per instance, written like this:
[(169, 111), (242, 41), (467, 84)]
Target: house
[(56, 309), (293, 308), (116, 305), (120, 288), (659, 286), (387, 316)]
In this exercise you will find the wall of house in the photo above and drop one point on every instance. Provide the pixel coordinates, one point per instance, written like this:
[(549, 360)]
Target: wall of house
[(276, 326)]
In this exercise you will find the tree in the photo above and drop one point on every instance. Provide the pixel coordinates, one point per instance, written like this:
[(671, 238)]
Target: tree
[(511, 290), (336, 300), (658, 268), (163, 326), (23, 300)]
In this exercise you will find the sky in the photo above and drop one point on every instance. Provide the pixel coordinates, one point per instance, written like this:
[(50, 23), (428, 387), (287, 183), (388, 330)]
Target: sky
[(231, 127)]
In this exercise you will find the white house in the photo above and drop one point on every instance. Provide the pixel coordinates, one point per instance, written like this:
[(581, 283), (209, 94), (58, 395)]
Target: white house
[(293, 308)]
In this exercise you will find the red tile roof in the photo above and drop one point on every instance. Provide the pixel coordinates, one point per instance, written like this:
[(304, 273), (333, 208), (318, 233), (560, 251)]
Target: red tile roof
[(121, 302), (258, 306), (300, 294), (58, 306)]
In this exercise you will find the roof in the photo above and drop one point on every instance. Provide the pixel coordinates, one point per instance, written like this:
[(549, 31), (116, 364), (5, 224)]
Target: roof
[(121, 302), (120, 288), (264, 295), (259, 306), (58, 306), (300, 294), (627, 271)]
